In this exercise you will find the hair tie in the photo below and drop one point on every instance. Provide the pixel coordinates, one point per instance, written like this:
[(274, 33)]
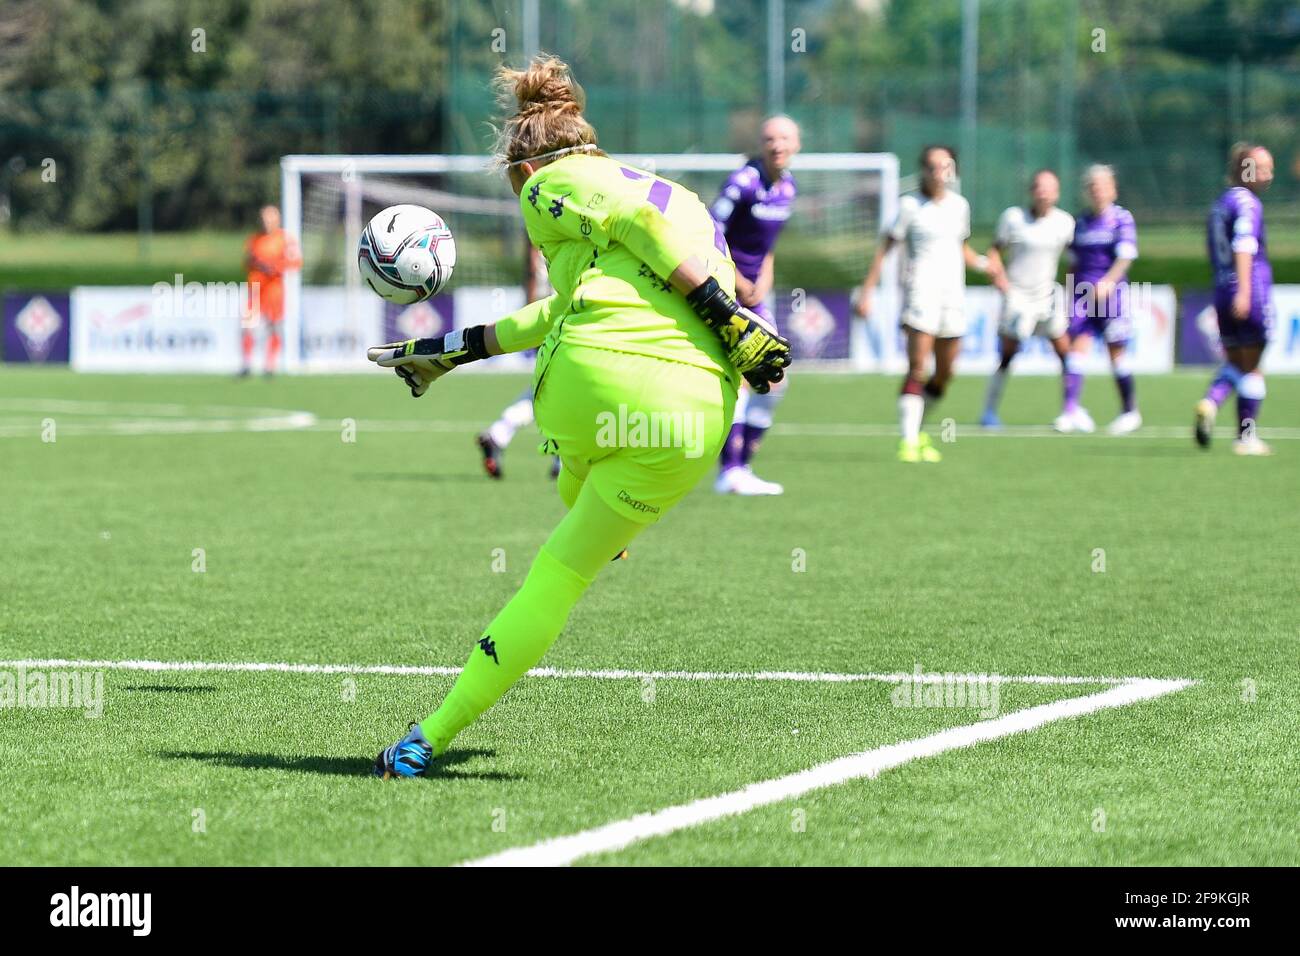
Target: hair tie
[(583, 148)]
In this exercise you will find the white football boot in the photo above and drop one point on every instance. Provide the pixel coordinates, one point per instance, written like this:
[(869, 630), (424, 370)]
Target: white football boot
[(1125, 424), (1076, 421), (742, 481), (1251, 446), (728, 480)]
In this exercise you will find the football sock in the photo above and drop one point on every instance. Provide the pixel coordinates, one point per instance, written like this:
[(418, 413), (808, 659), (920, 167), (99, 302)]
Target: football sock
[(1072, 383), (1250, 396), (249, 344), (911, 406), (733, 449), (1123, 369), (519, 414), (1124, 383), (758, 413), (997, 382), (1225, 380), (272, 350), (527, 626)]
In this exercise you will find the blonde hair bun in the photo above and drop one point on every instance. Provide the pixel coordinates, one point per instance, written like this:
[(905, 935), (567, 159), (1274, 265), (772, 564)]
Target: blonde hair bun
[(542, 106)]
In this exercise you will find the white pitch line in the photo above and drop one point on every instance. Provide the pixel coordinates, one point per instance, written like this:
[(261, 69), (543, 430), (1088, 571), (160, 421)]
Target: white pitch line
[(806, 677), (844, 430), (561, 851)]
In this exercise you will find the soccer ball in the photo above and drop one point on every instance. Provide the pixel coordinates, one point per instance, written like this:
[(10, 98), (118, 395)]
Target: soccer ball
[(406, 254)]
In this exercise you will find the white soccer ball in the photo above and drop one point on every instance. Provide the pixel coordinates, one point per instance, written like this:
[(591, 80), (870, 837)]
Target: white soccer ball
[(406, 254)]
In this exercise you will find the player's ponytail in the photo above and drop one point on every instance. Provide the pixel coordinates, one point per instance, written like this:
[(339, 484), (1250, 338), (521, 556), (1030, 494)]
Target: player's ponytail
[(542, 107)]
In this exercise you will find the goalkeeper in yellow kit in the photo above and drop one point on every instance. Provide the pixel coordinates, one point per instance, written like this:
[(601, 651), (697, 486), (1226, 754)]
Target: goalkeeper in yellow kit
[(640, 351)]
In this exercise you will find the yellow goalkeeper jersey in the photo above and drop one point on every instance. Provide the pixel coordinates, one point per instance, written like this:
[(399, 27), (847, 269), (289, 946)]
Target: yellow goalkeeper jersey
[(612, 235)]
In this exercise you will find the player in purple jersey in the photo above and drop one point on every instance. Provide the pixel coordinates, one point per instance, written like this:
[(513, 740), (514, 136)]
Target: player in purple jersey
[(1243, 282), (1104, 246), (755, 202)]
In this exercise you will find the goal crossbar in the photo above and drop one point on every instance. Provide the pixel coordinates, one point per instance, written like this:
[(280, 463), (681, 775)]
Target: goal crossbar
[(293, 169)]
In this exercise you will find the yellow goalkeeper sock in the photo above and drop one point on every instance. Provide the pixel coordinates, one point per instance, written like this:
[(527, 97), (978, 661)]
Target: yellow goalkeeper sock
[(529, 624)]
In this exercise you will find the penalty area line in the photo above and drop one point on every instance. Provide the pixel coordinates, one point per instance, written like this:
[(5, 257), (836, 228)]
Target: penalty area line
[(561, 851), (412, 670)]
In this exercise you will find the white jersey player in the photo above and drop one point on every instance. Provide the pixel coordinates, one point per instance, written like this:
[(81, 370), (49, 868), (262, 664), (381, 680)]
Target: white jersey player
[(933, 227), (1028, 244)]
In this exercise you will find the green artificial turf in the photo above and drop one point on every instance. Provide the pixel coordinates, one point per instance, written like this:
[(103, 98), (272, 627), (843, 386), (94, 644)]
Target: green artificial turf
[(388, 550)]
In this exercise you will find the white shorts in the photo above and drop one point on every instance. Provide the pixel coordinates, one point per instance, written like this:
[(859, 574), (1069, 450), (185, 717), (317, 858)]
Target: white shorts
[(1023, 316), (943, 316)]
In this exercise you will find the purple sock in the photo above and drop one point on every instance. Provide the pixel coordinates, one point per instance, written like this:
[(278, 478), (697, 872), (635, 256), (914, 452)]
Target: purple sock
[(1125, 385), (1223, 384), (733, 449), (753, 438), (1219, 390), (1247, 412), (1073, 389)]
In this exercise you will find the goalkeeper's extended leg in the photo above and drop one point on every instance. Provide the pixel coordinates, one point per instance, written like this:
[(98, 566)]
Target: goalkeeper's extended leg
[(521, 633)]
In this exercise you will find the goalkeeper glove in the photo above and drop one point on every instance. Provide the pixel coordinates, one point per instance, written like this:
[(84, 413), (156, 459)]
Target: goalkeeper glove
[(421, 362), (753, 345)]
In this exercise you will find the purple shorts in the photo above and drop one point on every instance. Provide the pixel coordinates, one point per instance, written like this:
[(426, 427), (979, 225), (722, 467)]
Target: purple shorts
[(1253, 330), (1108, 319)]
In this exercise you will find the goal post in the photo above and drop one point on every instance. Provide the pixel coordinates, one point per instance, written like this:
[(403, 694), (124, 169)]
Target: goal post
[(844, 198)]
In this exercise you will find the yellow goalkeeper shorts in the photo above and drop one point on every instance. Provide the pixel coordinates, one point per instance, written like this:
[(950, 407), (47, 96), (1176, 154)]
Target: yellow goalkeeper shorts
[(641, 431)]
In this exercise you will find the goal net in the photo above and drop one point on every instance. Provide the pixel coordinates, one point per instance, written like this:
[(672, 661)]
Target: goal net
[(330, 317)]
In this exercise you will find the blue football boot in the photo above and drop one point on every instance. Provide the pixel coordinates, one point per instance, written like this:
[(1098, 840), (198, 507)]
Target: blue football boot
[(409, 757)]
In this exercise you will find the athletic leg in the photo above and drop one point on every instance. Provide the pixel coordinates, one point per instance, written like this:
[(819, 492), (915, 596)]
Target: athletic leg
[(945, 360), (998, 382), (1074, 417), (732, 458), (911, 401), (1122, 369), (497, 437), (272, 347), (527, 626), (1251, 390), (518, 414), (1129, 418)]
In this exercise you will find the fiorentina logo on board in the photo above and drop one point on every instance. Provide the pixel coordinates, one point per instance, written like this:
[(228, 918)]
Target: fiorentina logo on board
[(38, 323), (812, 326), (419, 321)]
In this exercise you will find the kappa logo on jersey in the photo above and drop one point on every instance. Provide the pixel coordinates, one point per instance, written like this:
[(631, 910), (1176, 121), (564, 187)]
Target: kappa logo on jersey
[(627, 499), (556, 208), (533, 194), (489, 647)]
